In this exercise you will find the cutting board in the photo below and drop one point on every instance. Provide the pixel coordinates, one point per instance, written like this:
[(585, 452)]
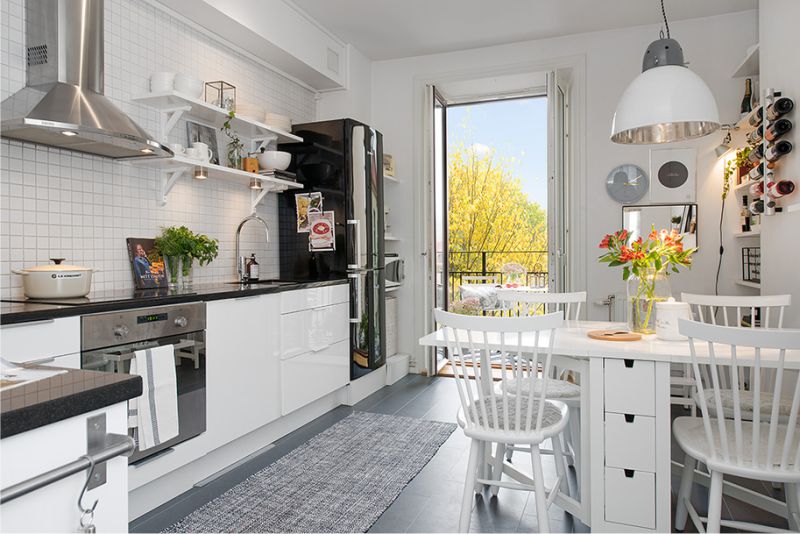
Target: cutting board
[(614, 335)]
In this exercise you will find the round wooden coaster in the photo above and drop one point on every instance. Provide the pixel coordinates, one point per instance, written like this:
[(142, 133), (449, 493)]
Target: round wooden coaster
[(614, 335)]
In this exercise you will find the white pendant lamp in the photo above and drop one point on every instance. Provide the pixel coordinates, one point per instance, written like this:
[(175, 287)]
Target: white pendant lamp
[(667, 102)]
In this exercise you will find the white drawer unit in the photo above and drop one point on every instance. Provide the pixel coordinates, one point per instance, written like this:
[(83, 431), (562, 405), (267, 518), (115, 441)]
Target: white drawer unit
[(631, 441), (313, 330), (52, 342), (630, 497), (630, 387), (315, 297), (308, 377)]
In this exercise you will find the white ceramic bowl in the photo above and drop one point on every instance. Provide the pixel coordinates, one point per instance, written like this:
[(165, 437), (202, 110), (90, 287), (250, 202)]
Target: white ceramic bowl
[(274, 160), (188, 86)]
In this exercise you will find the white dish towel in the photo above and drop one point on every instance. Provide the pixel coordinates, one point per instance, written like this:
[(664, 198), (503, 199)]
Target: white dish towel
[(154, 414)]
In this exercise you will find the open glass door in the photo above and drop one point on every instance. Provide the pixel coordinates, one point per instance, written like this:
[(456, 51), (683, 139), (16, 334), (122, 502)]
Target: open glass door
[(440, 259), (557, 185)]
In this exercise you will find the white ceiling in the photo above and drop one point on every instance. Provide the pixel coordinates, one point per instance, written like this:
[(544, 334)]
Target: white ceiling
[(388, 29)]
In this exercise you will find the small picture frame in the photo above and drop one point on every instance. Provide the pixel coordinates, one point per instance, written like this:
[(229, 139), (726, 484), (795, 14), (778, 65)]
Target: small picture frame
[(196, 132), (388, 165)]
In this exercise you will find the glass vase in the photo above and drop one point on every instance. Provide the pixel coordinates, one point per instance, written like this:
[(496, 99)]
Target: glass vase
[(235, 155), (187, 272), (643, 293), (172, 264)]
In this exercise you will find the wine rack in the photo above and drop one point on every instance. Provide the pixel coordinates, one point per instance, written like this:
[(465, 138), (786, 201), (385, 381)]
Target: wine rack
[(768, 176)]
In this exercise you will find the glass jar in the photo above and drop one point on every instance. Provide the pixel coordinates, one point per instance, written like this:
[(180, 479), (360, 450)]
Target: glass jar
[(172, 265), (187, 271), (235, 155), (643, 293)]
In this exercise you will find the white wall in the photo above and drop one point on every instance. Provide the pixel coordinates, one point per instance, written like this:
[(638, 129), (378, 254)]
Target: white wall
[(57, 203), (355, 101), (780, 69), (713, 46)]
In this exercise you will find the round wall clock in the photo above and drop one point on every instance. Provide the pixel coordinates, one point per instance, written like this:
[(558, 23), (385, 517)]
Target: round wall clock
[(627, 183)]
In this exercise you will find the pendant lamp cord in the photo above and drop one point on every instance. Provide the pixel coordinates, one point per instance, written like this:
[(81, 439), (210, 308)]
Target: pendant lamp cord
[(666, 24)]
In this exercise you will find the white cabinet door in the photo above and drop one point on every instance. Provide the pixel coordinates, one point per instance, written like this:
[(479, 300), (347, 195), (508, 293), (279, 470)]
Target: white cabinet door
[(311, 376), (39, 341), (242, 365)]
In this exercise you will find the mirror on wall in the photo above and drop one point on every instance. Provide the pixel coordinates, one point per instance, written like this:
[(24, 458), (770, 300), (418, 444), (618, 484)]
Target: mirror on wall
[(682, 217)]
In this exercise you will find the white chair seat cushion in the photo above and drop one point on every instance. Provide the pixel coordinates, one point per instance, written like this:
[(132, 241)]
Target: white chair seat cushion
[(556, 389), (746, 404), (551, 417), (691, 436)]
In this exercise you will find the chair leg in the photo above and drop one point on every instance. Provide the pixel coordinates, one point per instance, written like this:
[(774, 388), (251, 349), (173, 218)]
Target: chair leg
[(792, 492), (497, 466), (469, 485), (574, 426), (509, 452), (482, 471), (561, 464), (685, 491), (714, 502), (539, 492)]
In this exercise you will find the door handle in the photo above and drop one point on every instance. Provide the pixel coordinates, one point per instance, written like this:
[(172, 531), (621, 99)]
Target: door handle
[(356, 224), (356, 277)]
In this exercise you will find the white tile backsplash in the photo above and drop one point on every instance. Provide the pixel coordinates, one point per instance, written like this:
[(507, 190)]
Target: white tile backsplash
[(57, 203)]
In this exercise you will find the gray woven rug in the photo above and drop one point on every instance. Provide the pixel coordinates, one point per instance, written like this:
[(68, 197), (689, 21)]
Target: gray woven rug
[(342, 480)]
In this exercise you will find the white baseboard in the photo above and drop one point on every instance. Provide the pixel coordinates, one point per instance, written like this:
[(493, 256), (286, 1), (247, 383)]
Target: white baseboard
[(396, 367), (361, 388)]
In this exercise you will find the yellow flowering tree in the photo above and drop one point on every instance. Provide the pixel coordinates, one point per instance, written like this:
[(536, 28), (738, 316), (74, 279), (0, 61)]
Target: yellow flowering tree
[(488, 211)]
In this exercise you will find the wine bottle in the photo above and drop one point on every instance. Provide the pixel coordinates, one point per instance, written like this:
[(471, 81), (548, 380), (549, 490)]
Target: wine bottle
[(744, 215), (756, 153), (756, 135), (781, 188), (781, 106), (748, 92), (757, 207), (756, 118), (757, 189), (756, 172), (777, 129), (776, 151)]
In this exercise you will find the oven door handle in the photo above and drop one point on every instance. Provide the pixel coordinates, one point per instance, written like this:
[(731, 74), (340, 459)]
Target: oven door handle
[(184, 344)]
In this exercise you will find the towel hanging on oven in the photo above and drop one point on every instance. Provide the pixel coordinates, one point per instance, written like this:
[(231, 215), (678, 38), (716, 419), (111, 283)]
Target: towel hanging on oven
[(154, 414)]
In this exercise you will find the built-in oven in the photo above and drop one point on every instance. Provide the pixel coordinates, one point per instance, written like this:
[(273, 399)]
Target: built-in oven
[(109, 342)]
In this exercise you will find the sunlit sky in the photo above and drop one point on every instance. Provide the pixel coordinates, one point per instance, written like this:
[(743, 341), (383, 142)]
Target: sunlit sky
[(516, 129)]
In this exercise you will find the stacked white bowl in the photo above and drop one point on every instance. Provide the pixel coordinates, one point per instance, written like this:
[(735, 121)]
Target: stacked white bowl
[(161, 82), (276, 120)]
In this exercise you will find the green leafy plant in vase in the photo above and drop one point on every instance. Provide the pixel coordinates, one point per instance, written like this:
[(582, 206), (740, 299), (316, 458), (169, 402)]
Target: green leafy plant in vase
[(180, 247), (235, 145), (646, 265)]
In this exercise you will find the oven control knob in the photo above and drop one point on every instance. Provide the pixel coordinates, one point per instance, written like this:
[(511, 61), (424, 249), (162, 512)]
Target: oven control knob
[(121, 330), (181, 321)]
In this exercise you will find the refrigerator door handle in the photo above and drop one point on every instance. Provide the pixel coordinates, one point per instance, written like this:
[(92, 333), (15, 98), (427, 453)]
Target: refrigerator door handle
[(356, 289), (356, 224)]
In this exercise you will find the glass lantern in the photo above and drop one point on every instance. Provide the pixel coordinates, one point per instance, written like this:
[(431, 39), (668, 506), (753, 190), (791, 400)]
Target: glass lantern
[(221, 94)]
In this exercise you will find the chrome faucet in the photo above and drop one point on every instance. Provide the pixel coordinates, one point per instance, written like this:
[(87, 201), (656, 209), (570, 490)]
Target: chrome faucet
[(241, 261)]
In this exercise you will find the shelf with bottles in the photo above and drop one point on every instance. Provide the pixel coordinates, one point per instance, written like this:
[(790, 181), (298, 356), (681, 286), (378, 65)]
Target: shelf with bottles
[(747, 283), (769, 146), (750, 233)]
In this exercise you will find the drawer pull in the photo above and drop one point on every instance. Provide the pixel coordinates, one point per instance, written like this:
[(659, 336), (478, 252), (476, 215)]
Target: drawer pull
[(629, 417), (629, 363), (629, 473)]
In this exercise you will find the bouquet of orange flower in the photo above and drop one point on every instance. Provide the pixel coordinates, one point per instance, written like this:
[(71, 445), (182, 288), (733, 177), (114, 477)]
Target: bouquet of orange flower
[(648, 261)]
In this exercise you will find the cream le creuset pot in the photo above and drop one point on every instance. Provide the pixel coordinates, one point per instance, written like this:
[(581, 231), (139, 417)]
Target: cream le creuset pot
[(56, 281), (667, 315)]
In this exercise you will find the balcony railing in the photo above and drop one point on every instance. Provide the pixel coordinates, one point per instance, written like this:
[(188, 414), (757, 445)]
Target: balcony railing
[(490, 263)]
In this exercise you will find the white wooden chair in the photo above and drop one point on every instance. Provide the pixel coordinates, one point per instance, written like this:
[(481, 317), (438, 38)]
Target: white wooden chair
[(488, 416), (765, 448), (524, 303), (727, 310)]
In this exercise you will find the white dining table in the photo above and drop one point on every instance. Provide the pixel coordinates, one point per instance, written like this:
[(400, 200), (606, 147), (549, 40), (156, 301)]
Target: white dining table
[(625, 415)]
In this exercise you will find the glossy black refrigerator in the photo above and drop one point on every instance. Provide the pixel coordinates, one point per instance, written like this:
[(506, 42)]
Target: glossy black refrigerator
[(340, 164)]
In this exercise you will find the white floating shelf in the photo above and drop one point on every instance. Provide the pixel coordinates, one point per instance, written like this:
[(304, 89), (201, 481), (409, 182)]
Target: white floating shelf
[(746, 283), (751, 233), (744, 186), (172, 101), (750, 66), (391, 179), (743, 124), (390, 237)]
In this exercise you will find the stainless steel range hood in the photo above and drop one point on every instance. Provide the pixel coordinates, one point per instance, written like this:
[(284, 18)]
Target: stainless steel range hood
[(63, 104)]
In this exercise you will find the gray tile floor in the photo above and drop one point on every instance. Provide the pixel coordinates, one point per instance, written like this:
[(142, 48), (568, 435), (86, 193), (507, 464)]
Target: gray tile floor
[(431, 502)]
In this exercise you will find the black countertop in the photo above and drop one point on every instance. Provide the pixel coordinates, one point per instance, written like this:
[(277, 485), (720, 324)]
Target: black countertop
[(62, 396), (27, 310)]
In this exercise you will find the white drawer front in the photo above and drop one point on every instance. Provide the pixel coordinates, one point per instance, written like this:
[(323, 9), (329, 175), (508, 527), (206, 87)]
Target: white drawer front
[(315, 297), (313, 330), (311, 376), (631, 442), (630, 500), (630, 387), (40, 340)]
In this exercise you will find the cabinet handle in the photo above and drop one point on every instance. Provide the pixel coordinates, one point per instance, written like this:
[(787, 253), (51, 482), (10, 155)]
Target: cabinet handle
[(29, 323), (629, 417), (629, 473), (628, 363), (40, 361), (247, 297)]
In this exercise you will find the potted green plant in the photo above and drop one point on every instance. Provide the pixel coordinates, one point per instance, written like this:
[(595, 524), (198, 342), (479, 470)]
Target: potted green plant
[(739, 165), (646, 265), (235, 146), (179, 247)]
